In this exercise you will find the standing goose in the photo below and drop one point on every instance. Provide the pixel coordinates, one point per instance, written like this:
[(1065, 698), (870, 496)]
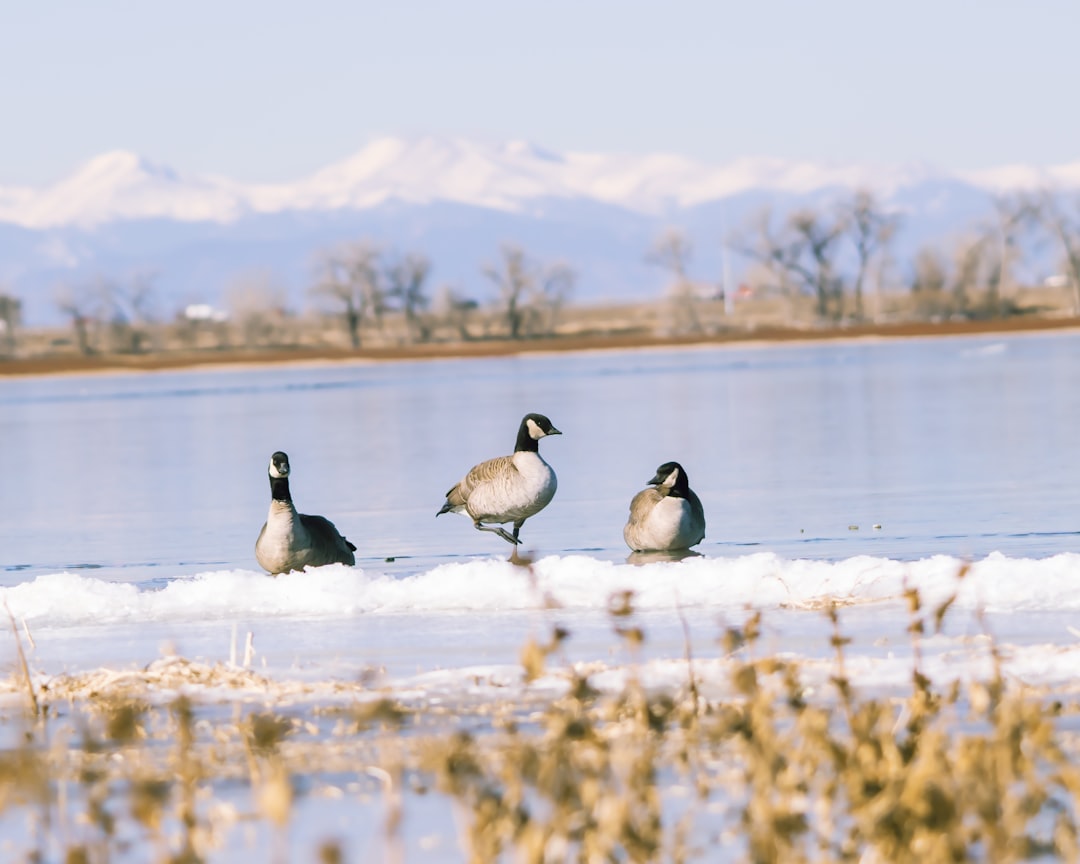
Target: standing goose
[(291, 540), (667, 515), (508, 488)]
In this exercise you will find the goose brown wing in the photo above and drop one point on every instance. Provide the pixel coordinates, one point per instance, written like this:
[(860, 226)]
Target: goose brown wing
[(637, 525), (642, 504), (485, 472)]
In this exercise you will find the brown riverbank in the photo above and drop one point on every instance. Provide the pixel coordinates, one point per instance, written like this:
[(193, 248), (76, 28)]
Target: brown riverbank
[(70, 363)]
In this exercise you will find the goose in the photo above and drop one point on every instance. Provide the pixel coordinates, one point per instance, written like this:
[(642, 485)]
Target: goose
[(508, 488), (292, 541), (667, 515)]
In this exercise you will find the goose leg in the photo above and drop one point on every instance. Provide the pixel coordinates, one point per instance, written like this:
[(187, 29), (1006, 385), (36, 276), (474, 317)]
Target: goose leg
[(500, 531), (514, 558)]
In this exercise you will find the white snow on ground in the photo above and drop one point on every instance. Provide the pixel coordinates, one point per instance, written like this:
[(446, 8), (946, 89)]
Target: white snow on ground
[(763, 580)]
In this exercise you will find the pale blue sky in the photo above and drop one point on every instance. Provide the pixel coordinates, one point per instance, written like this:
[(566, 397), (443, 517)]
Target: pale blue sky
[(271, 91)]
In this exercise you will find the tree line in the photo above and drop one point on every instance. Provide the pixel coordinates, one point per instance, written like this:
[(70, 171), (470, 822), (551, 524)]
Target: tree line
[(370, 289), (833, 257), (364, 282)]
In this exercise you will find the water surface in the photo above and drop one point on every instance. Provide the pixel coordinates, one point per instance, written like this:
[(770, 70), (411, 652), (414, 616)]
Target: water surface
[(132, 502), (958, 445)]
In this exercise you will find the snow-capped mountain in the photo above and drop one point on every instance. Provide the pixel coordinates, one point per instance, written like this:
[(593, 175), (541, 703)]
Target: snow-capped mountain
[(455, 200), (509, 176), (117, 186)]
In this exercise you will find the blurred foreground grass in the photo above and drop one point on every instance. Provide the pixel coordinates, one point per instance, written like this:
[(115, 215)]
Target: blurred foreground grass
[(165, 765)]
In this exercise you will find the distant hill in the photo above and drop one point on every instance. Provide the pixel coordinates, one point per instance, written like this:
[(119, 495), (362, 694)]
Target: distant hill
[(454, 200)]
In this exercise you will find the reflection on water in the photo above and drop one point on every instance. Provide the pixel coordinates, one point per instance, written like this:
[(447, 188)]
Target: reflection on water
[(958, 446), (653, 556)]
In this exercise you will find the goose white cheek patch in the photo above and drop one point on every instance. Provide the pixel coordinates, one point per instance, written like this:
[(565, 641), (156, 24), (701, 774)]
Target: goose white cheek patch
[(535, 432), (669, 481)]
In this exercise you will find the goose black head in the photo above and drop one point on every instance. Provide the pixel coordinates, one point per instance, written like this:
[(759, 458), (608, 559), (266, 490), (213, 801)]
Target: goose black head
[(533, 427), (671, 475), (279, 466), (538, 426)]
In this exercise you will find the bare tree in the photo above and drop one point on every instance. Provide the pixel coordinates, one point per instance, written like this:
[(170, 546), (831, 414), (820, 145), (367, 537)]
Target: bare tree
[(530, 294), (981, 276), (10, 320), (969, 273), (406, 280), (1062, 220), (803, 251), (454, 309), (552, 293), (930, 281), (1014, 217), (871, 231), (948, 285), (80, 303), (130, 310), (759, 242), (349, 276), (816, 239), (258, 305), (672, 252), (513, 276), (930, 274)]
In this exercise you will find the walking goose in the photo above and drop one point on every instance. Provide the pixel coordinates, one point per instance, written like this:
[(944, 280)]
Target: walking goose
[(291, 540), (667, 515), (508, 488)]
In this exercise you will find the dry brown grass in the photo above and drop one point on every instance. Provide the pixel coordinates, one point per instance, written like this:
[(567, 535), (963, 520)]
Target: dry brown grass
[(774, 772)]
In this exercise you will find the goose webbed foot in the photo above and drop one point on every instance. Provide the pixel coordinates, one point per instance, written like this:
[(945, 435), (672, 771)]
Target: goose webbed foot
[(509, 538)]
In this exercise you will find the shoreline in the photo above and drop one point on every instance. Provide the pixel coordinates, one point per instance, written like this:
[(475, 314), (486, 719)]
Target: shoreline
[(68, 364)]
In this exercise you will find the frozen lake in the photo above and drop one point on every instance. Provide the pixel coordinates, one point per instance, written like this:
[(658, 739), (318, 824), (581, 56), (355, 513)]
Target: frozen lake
[(132, 501), (840, 472)]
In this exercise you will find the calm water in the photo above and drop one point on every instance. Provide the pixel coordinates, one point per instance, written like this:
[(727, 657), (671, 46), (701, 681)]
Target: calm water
[(958, 446)]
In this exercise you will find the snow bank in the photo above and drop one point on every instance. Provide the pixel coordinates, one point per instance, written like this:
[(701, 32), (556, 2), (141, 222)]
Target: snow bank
[(763, 580)]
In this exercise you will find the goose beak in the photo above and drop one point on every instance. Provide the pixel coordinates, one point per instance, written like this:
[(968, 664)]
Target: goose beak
[(553, 431)]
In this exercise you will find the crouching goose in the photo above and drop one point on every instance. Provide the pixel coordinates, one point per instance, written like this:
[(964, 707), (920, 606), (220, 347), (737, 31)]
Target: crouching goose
[(667, 515), (291, 540), (508, 488)]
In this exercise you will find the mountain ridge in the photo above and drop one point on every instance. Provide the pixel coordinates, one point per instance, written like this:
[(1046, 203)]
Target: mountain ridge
[(456, 201), (508, 176)]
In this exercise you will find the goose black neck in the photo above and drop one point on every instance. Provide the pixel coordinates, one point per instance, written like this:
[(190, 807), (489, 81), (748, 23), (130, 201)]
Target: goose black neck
[(279, 489), (681, 487), (525, 441)]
